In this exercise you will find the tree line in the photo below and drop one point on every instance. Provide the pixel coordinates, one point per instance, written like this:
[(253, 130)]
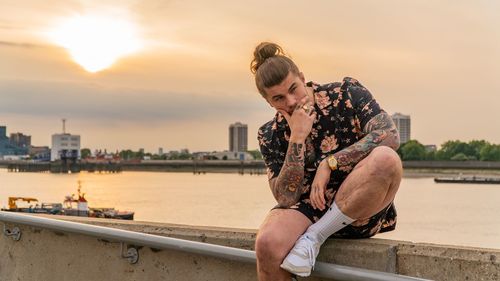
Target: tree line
[(454, 150)]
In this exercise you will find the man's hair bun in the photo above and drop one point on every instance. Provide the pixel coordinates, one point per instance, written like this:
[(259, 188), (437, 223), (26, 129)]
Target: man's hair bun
[(264, 51), (270, 66)]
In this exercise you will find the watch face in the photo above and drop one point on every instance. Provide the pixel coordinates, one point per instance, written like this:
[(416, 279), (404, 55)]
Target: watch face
[(332, 162)]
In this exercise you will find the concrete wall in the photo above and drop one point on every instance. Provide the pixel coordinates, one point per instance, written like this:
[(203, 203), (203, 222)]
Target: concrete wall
[(43, 254)]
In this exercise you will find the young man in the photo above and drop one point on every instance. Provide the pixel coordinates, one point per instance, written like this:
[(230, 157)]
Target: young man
[(331, 161)]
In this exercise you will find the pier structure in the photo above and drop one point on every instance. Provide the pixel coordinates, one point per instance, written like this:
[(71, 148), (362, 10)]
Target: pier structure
[(251, 167)]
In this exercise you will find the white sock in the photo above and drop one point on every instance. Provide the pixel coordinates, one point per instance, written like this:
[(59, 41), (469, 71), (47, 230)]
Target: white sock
[(332, 221)]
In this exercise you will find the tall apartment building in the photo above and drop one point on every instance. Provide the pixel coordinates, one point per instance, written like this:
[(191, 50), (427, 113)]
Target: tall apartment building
[(20, 140), (238, 137), (3, 132), (7, 147), (403, 123)]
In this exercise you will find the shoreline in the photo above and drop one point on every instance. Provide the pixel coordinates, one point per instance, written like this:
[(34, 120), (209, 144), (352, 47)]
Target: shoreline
[(431, 173), (407, 172)]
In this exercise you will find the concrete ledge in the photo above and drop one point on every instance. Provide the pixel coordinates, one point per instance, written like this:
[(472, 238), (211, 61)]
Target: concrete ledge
[(375, 254), (47, 255), (448, 263)]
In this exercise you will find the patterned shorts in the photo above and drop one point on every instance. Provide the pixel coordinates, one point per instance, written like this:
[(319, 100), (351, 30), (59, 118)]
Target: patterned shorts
[(383, 221)]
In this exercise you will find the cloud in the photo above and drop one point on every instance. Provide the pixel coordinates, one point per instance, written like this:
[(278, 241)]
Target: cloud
[(91, 101), (21, 45), (6, 26)]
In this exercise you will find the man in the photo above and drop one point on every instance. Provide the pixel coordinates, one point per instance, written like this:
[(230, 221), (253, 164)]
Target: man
[(331, 161)]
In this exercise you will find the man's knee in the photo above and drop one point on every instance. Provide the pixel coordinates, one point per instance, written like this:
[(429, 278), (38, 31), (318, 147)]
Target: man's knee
[(385, 162), (269, 247)]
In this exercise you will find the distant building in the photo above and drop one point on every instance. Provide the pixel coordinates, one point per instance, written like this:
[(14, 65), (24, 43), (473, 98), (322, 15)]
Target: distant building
[(15, 157), (202, 155), (238, 137), (403, 123), (160, 151), (7, 148), (20, 140), (430, 147), (65, 146), (40, 153), (232, 155)]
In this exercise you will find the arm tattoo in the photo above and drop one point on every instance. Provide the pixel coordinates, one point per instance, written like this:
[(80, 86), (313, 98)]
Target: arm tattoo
[(287, 187), (380, 130)]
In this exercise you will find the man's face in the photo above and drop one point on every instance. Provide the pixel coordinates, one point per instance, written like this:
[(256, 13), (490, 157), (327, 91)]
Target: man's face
[(288, 93)]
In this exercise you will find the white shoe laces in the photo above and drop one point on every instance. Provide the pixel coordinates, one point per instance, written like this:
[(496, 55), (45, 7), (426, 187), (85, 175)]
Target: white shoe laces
[(306, 248)]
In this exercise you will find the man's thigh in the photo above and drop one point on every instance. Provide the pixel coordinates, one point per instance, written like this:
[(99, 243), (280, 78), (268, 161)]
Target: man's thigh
[(376, 179)]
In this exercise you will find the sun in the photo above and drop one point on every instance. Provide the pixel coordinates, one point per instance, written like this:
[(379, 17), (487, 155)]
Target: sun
[(96, 42)]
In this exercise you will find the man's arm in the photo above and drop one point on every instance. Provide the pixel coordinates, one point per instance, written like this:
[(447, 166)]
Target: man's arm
[(287, 186), (380, 130)]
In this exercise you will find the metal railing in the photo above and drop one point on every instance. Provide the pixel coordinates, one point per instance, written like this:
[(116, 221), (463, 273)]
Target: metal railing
[(326, 270)]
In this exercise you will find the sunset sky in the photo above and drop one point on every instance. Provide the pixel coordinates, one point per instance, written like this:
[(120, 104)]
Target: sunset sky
[(184, 76)]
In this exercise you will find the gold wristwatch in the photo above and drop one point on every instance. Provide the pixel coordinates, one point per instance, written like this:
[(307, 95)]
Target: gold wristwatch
[(332, 162)]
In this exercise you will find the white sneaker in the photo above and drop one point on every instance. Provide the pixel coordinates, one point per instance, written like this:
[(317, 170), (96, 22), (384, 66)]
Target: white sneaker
[(300, 261)]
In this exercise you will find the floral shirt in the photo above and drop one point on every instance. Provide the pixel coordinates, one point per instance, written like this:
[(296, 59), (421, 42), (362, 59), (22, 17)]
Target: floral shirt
[(343, 109)]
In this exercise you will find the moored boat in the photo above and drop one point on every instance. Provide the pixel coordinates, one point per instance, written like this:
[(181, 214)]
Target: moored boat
[(72, 206), (111, 213), (467, 179), (43, 208)]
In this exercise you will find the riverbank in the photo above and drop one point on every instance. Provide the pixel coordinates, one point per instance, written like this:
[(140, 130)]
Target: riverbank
[(431, 172), (412, 168)]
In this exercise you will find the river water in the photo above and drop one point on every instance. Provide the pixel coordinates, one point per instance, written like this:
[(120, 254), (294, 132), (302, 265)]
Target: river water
[(453, 214)]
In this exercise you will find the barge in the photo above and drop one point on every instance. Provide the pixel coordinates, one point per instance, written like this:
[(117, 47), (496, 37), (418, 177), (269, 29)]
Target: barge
[(72, 206)]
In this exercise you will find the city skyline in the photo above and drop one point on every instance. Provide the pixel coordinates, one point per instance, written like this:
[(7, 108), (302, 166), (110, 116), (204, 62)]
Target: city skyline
[(190, 76)]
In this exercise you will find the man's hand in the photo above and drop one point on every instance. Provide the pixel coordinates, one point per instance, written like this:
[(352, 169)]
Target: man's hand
[(318, 186), (301, 120)]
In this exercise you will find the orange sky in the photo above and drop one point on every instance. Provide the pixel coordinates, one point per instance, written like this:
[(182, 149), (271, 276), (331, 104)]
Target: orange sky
[(434, 60)]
